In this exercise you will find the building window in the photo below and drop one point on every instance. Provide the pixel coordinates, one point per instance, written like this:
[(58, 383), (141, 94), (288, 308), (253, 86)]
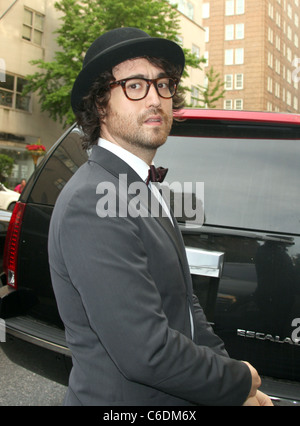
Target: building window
[(11, 93), (270, 35), (206, 57), (239, 31), (33, 27), (229, 7), (271, 11), (240, 7), (239, 56), (277, 90), (194, 96), (234, 7), (228, 82), (229, 32), (238, 104), (234, 56), (185, 7), (196, 50), (234, 32), (239, 81), (190, 10), (278, 19), (270, 59), (228, 104), (270, 85), (179, 39), (295, 83), (206, 34), (229, 57), (205, 10)]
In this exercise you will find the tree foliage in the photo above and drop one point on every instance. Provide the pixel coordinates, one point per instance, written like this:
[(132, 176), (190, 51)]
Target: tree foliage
[(6, 166), (212, 91), (81, 23)]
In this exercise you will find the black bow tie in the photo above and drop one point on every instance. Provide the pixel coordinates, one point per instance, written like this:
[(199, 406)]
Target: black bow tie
[(156, 175)]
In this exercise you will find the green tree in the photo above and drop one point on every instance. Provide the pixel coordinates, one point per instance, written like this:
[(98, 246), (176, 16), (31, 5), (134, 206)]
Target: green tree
[(6, 166), (212, 91), (81, 23)]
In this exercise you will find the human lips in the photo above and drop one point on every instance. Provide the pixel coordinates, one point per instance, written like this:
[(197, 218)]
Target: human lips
[(154, 120)]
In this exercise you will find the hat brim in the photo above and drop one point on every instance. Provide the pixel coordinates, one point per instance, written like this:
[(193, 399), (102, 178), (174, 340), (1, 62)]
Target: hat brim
[(109, 58)]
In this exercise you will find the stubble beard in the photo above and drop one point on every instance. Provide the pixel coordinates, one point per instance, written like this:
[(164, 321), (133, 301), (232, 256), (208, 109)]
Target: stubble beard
[(132, 131)]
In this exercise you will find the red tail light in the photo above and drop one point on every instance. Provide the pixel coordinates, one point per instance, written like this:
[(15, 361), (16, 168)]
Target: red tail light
[(12, 243)]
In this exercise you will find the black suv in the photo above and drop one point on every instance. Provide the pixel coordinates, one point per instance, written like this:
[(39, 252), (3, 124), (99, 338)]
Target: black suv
[(244, 260)]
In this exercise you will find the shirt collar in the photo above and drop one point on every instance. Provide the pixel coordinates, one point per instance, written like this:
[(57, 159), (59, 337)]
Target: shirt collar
[(136, 163)]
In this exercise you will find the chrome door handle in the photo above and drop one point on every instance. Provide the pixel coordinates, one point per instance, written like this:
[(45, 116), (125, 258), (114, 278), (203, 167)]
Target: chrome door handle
[(206, 263)]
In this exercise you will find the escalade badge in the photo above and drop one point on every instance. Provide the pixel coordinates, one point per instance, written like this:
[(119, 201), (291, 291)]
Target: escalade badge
[(264, 336)]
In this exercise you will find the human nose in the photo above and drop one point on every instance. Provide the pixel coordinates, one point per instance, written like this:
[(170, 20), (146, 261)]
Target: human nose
[(153, 98)]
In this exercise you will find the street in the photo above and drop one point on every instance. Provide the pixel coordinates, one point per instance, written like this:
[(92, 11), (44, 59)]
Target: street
[(30, 375)]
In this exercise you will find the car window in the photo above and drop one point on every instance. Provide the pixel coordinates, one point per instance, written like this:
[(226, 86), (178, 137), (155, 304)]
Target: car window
[(248, 183), (60, 167)]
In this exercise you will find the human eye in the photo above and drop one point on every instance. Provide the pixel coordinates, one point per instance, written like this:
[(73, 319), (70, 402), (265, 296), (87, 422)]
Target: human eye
[(163, 83), (135, 85)]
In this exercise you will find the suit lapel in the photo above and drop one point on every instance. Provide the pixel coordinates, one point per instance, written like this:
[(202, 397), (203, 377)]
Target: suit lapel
[(171, 230)]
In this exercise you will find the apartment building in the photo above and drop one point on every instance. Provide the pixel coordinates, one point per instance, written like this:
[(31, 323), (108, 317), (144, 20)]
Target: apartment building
[(254, 45), (26, 33)]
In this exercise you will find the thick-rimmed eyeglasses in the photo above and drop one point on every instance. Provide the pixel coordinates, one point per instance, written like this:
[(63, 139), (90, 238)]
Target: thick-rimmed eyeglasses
[(136, 89)]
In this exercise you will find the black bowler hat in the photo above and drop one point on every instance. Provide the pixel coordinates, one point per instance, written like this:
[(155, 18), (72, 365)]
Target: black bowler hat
[(116, 46)]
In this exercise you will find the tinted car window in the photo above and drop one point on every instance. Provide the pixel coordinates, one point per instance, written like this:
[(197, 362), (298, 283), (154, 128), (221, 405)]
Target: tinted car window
[(60, 167), (248, 183)]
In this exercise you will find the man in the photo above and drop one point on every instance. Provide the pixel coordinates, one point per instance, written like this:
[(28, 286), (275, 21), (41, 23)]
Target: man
[(136, 332)]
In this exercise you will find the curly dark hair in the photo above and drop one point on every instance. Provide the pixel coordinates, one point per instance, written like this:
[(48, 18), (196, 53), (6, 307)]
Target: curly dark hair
[(89, 114)]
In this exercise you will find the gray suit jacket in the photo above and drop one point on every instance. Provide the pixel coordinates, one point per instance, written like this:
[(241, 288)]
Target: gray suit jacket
[(124, 293)]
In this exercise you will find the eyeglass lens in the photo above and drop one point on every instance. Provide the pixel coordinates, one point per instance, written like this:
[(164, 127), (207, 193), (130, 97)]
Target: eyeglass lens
[(137, 88)]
